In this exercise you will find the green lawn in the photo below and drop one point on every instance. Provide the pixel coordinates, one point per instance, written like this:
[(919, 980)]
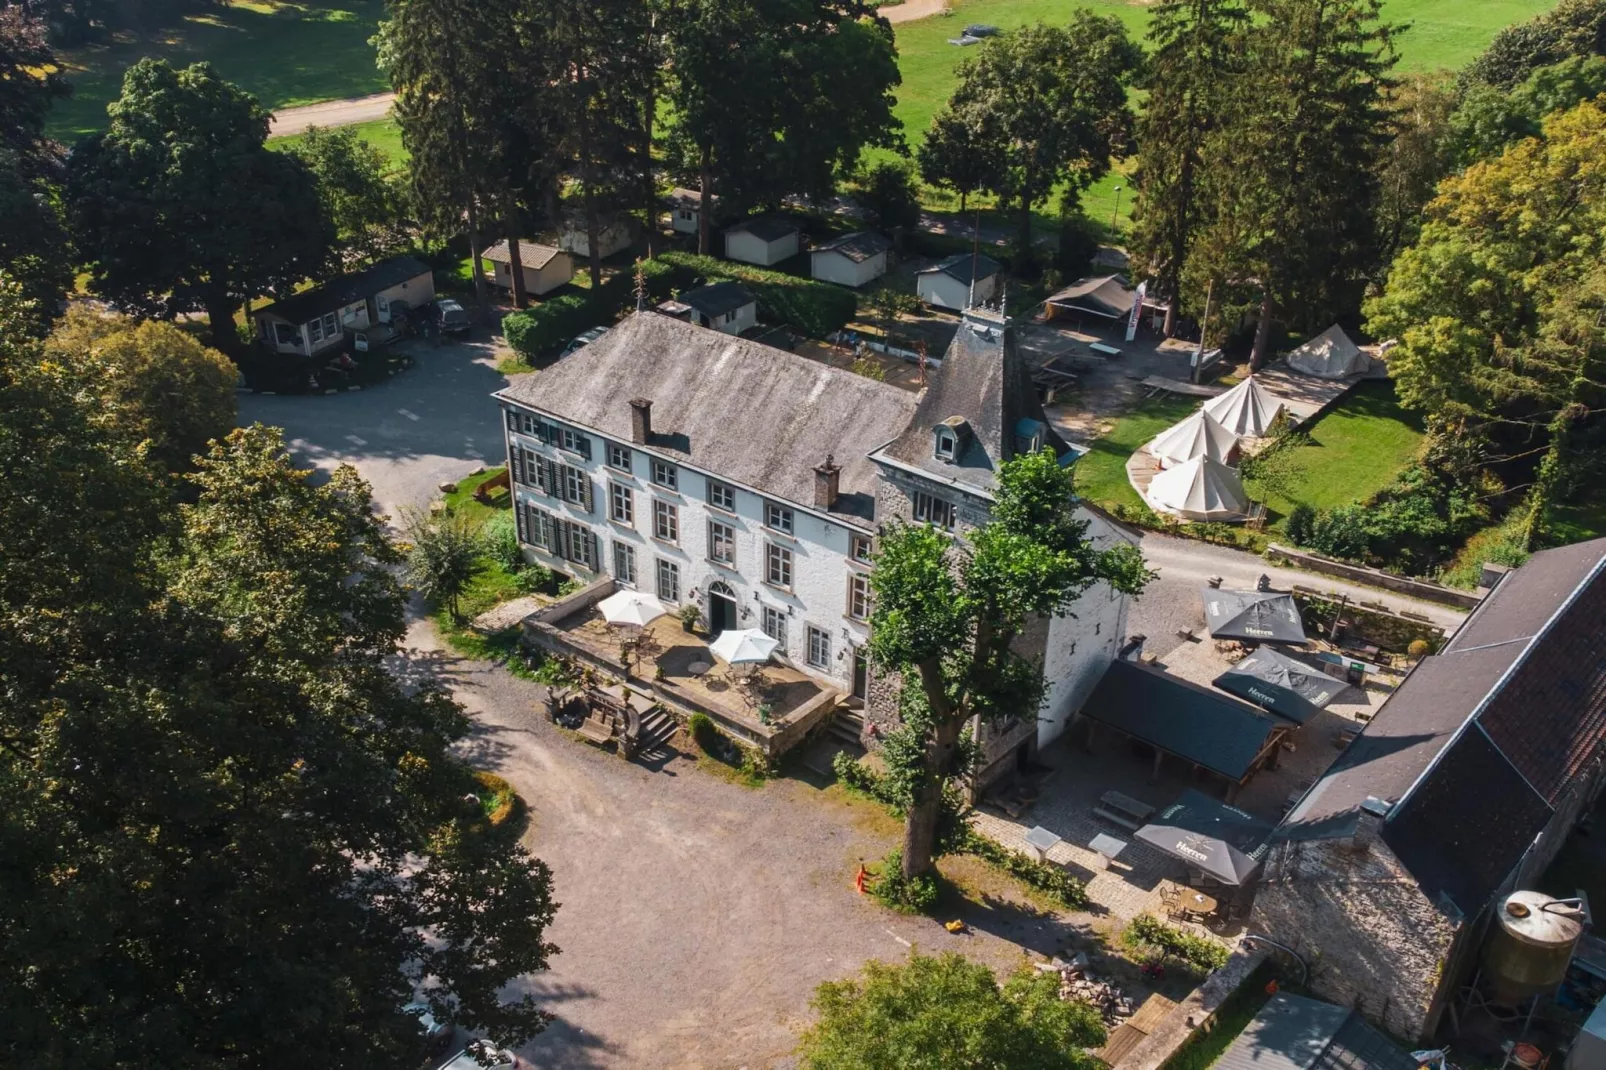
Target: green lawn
[(1357, 448), (383, 134), (1101, 472), (285, 53)]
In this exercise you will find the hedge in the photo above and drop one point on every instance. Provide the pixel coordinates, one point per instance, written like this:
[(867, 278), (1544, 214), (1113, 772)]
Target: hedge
[(1150, 935), (817, 309), (544, 329)]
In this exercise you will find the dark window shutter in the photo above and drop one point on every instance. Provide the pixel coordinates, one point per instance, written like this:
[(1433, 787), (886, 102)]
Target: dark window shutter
[(512, 420), (585, 446), (520, 524), (515, 462), (596, 554), (545, 432), (587, 483), (554, 477)]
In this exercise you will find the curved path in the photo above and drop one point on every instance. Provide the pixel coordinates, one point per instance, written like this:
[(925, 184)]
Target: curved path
[(330, 113), (910, 10)]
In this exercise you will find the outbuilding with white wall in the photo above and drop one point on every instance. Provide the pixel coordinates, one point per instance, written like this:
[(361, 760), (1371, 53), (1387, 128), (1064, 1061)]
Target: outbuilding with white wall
[(948, 283), (546, 267), (764, 242), (850, 260)]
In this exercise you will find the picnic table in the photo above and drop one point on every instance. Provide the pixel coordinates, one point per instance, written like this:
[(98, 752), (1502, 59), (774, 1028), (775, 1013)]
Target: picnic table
[(1054, 376), (1123, 810)]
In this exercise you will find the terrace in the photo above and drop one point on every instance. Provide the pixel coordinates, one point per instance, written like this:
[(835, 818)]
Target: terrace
[(773, 713)]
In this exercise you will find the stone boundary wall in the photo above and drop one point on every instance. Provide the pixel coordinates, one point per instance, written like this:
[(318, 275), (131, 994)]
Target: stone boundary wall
[(1372, 577)]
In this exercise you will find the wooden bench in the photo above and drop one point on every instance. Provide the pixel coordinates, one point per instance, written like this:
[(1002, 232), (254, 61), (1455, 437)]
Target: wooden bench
[(1103, 350), (596, 730)]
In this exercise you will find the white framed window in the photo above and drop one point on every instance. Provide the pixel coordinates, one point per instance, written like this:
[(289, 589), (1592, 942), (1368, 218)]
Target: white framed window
[(775, 625), (819, 655), (778, 518), (946, 444), (315, 330), (537, 527), (859, 596), (930, 509), (582, 548), (665, 475), (668, 581), (721, 542), (574, 442), (624, 563), (621, 504), (331, 325), (574, 485), (778, 565), (686, 215), (722, 496), (665, 521), (619, 457), (860, 547)]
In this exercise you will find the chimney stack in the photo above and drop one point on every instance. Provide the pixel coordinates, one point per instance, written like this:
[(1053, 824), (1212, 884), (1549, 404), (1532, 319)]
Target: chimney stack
[(640, 420), (827, 482)]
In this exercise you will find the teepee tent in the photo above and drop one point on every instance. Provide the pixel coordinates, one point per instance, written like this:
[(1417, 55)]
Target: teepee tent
[(1330, 355), (1200, 489), (1246, 410), (1197, 436)]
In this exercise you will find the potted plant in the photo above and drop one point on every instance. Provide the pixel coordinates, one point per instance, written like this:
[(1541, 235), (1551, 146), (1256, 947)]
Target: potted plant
[(689, 616)]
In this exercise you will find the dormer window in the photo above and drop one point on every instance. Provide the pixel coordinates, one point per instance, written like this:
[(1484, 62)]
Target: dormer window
[(1028, 436), (947, 445)]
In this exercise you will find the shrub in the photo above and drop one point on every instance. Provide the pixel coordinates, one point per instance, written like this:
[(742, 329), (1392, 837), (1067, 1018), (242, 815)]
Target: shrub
[(533, 577), (888, 190), (703, 732), (815, 308), (501, 537), (1150, 935), (1419, 648), (870, 369), (906, 895), (856, 776), (754, 765), (1341, 532), (497, 797), (1299, 525), (1044, 876), (541, 330)]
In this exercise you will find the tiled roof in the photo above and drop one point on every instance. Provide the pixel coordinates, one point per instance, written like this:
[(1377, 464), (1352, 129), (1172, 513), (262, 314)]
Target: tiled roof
[(531, 254), (858, 247)]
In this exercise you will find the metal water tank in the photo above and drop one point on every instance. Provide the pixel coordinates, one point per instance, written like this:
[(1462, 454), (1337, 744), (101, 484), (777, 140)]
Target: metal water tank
[(1530, 944)]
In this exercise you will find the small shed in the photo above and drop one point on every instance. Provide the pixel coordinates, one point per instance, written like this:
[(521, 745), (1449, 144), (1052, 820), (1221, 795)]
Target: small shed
[(546, 267), (316, 320), (764, 242), (685, 209), (723, 306), (957, 283), (850, 259), (614, 235)]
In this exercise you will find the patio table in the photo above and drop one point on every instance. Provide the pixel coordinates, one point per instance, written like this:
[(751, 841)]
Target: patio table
[(1040, 840), (698, 668), (1196, 902)]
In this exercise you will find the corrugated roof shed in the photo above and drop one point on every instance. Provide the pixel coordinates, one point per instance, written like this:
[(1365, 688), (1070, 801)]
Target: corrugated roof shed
[(718, 298), (858, 247)]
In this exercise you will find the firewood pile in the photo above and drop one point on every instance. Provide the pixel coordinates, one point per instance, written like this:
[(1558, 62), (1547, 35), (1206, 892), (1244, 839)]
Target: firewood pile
[(1076, 983)]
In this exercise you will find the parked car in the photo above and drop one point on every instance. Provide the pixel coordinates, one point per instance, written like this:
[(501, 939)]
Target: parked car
[(583, 339), (437, 1035), (484, 1053), (453, 317)]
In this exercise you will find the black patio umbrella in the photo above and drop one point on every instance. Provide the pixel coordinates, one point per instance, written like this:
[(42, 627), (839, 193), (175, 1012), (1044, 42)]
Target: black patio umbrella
[(1274, 681), (1257, 616), (1210, 836)]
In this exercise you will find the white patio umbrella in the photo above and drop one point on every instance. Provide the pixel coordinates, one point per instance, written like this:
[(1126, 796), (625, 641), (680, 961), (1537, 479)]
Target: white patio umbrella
[(631, 607), (745, 647)]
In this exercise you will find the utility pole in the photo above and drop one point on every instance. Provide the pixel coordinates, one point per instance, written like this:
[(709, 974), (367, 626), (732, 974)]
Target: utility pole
[(1198, 354), (1115, 214)]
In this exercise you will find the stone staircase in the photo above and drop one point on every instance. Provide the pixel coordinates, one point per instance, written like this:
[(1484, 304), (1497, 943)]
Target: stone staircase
[(847, 725), (656, 728)]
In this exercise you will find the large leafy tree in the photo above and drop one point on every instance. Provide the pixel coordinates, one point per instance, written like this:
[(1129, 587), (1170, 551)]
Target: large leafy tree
[(152, 382), (1497, 306), (947, 614), (1049, 105), (179, 207), (1571, 28), (1294, 176), (1417, 158), (955, 155), (945, 1011), (360, 197), (33, 240), (1195, 60), (1488, 119)]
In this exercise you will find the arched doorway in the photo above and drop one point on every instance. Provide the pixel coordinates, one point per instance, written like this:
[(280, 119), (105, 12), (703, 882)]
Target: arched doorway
[(721, 608)]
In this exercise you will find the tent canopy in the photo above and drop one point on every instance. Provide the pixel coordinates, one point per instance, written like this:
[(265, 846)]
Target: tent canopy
[(1211, 836), (1199, 435), (1330, 355), (1200, 489), (1247, 409), (631, 607), (744, 647), (1256, 616), (1274, 681), (1108, 295)]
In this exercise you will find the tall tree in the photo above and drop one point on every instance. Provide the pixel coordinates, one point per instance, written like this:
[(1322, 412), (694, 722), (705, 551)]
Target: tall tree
[(1417, 158), (1195, 59), (179, 207), (359, 196), (33, 241), (1294, 177), (153, 383), (1571, 28), (1050, 103), (955, 155), (946, 615), (947, 1012)]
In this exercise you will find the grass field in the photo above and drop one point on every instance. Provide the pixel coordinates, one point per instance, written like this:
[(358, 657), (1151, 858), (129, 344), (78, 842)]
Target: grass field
[(1101, 472), (285, 53), (382, 133)]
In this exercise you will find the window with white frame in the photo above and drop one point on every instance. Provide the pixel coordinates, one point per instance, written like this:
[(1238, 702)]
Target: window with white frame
[(583, 547), (930, 509), (537, 527), (778, 518), (624, 563), (619, 457), (331, 326), (665, 521), (665, 475), (668, 581), (621, 504), (722, 496), (860, 546), (778, 565), (721, 542), (859, 596), (775, 625), (947, 444), (574, 442), (315, 330), (819, 647), (574, 485)]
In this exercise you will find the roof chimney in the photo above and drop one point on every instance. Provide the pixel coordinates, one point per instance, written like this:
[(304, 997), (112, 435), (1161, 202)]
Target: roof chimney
[(827, 482), (640, 420)]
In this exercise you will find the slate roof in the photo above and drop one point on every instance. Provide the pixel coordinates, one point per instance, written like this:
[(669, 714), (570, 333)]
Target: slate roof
[(984, 381), (767, 229), (1482, 740), (346, 289), (858, 247), (1179, 717), (718, 298), (1297, 1033), (958, 267), (532, 255), (746, 412)]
